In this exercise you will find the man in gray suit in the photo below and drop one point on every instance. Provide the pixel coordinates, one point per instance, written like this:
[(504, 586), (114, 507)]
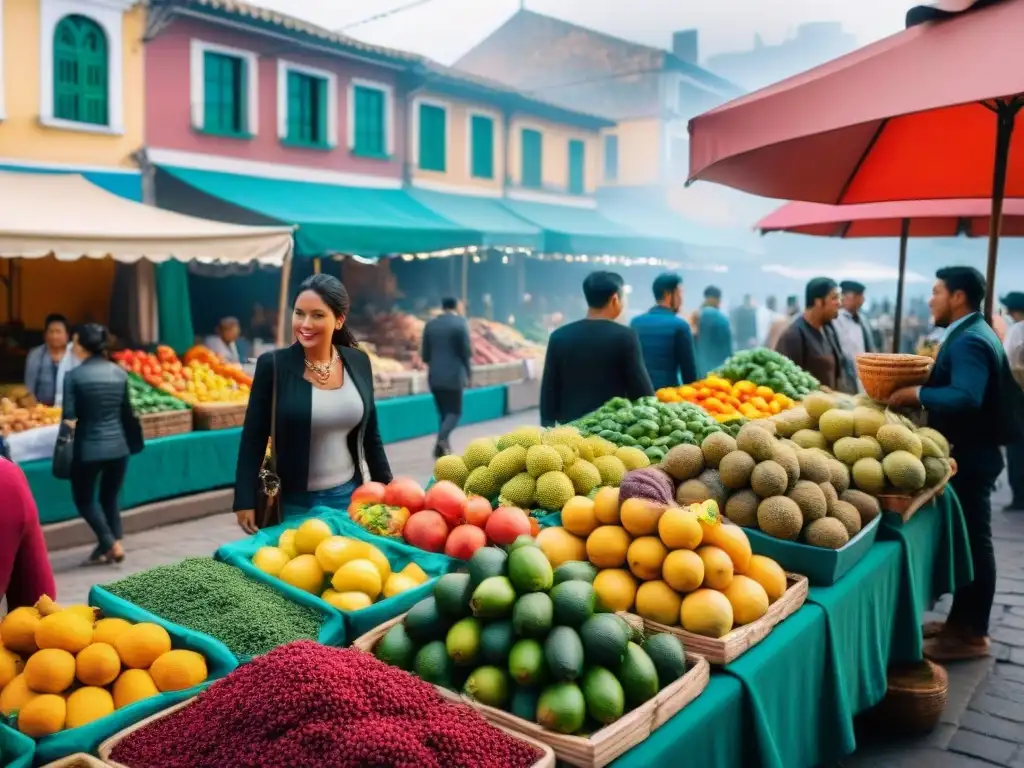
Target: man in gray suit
[(448, 354)]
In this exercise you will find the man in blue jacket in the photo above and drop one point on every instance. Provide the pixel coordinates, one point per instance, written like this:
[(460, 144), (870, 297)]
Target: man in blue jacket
[(714, 336), (665, 338), (966, 399)]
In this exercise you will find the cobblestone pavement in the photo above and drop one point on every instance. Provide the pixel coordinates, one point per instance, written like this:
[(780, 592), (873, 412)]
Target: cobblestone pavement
[(983, 724)]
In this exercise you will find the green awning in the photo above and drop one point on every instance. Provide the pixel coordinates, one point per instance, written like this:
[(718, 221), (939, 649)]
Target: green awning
[(496, 226), (577, 230), (335, 219)]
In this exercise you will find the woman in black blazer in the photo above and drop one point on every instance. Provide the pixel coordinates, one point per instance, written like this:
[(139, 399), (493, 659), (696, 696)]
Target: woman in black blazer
[(327, 439)]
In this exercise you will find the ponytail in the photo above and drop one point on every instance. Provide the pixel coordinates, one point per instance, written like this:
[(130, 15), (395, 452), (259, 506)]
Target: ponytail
[(344, 338)]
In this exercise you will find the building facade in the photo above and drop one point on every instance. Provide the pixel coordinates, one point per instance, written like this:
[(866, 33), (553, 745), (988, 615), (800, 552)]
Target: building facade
[(71, 89)]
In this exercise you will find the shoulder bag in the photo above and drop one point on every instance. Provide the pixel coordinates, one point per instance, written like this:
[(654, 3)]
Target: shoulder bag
[(64, 451), (268, 493)]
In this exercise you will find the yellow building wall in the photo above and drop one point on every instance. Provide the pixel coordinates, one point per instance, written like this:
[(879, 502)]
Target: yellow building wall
[(458, 162), (21, 134), (555, 154), (640, 145)]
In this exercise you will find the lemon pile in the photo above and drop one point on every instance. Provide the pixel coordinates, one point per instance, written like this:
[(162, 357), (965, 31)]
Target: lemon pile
[(62, 668), (349, 574), (680, 566)]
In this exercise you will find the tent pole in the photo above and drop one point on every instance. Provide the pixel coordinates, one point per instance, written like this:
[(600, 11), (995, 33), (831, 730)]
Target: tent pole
[(282, 299), (1006, 115), (465, 282), (316, 266), (898, 317)]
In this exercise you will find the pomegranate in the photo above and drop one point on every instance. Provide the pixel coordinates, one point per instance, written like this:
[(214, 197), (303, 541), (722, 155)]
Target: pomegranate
[(463, 541), (427, 530), (506, 524), (448, 499), (477, 510), (368, 493), (404, 492)]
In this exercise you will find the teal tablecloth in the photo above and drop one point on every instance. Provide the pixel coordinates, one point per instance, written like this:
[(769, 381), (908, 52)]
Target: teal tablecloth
[(936, 561), (197, 462)]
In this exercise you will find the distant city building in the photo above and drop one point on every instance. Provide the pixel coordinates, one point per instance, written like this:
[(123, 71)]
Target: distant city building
[(814, 43)]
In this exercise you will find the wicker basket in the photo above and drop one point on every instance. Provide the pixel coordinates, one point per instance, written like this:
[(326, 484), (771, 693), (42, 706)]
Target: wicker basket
[(79, 760), (881, 377), (914, 702), (547, 759), (606, 744), (219, 415), (165, 424), (729, 647), (905, 506)]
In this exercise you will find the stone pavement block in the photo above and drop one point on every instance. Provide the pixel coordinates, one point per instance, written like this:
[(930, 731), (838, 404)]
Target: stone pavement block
[(984, 747), (1011, 620), (1006, 689), (1017, 656), (1010, 586), (1001, 652), (1008, 672), (989, 725), (994, 705), (936, 758), (1014, 601), (1008, 636)]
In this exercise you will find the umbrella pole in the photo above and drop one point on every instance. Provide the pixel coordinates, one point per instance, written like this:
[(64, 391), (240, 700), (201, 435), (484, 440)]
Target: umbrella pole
[(898, 316), (1006, 115)]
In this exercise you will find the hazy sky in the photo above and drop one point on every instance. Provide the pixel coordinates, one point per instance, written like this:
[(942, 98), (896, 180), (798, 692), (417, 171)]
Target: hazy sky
[(444, 29)]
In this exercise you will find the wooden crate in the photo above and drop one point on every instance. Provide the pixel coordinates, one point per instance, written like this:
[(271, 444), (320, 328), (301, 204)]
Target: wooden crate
[(905, 506), (606, 744), (498, 373), (218, 415), (728, 648), (78, 760), (547, 759), (165, 424), (387, 385)]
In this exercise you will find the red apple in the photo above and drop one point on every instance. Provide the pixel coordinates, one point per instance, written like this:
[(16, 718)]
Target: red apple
[(368, 493), (506, 524), (464, 540), (427, 530), (404, 492), (448, 499), (477, 510)]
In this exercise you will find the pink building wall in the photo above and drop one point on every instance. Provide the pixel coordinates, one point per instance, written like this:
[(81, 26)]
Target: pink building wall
[(168, 109)]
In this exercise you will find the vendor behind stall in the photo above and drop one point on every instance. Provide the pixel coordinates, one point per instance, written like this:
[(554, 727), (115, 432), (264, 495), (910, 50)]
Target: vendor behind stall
[(227, 342), (47, 364)]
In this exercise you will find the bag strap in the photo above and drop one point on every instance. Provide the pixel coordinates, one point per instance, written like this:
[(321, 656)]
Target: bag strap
[(273, 413)]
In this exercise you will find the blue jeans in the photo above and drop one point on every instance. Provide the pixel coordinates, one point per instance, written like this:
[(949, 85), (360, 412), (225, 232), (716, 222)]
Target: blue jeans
[(301, 504)]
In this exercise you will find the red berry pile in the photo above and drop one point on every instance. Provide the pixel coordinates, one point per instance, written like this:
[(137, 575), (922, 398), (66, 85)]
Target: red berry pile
[(306, 704)]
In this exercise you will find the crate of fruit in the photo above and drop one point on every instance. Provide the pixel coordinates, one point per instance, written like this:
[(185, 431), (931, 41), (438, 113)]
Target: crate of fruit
[(160, 413), (165, 423), (207, 416)]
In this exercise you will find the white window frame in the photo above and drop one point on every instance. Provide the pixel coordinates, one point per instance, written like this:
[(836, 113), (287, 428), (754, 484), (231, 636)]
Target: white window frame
[(414, 132), (197, 84), (109, 15), (389, 112), (495, 119), (2, 112), (283, 68)]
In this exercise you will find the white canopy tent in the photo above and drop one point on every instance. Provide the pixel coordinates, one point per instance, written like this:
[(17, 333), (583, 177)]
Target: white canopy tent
[(66, 216)]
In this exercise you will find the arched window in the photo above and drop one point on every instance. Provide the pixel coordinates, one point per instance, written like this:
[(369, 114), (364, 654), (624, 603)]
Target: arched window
[(80, 73)]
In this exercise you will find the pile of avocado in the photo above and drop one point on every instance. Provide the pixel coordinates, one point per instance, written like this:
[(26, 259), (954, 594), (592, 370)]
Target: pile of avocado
[(653, 426), (514, 634), (147, 399), (768, 368)]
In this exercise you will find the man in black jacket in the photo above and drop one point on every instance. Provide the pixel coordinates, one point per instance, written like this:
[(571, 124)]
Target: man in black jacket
[(448, 354), (590, 361)]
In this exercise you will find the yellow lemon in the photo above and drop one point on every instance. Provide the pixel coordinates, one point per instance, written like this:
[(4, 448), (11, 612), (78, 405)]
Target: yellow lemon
[(641, 516), (679, 529), (706, 612), (142, 644), (18, 630), (108, 630), (88, 704), (748, 599), (334, 552), (98, 664), (415, 573), (378, 558), (270, 560), (645, 557), (358, 576), (606, 506), (616, 589), (578, 516), (607, 546), (396, 584), (51, 670), (734, 542), (286, 543), (42, 716), (10, 666), (769, 575), (559, 546), (15, 695), (346, 601), (305, 573), (178, 669), (133, 685), (657, 601), (309, 535), (718, 568), (66, 630), (683, 570)]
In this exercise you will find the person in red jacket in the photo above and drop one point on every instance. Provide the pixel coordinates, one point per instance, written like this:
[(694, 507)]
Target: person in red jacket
[(25, 573)]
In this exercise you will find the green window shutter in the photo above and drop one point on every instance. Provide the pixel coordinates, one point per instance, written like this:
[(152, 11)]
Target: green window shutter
[(481, 147), (577, 167), (225, 94), (370, 133), (307, 109), (320, 109), (294, 107), (81, 75), (432, 138), (532, 160), (611, 158)]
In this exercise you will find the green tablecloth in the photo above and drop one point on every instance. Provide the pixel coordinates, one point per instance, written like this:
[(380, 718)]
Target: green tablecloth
[(936, 561), (205, 461)]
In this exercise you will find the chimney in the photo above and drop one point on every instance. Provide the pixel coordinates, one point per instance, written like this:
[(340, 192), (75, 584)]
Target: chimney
[(684, 45)]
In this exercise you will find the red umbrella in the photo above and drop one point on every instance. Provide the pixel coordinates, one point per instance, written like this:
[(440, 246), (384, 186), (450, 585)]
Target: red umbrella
[(903, 219), (927, 113)]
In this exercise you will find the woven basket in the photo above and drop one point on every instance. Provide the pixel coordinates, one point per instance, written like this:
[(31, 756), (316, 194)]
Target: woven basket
[(881, 379), (219, 415), (893, 361), (914, 702), (79, 760), (165, 424)]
